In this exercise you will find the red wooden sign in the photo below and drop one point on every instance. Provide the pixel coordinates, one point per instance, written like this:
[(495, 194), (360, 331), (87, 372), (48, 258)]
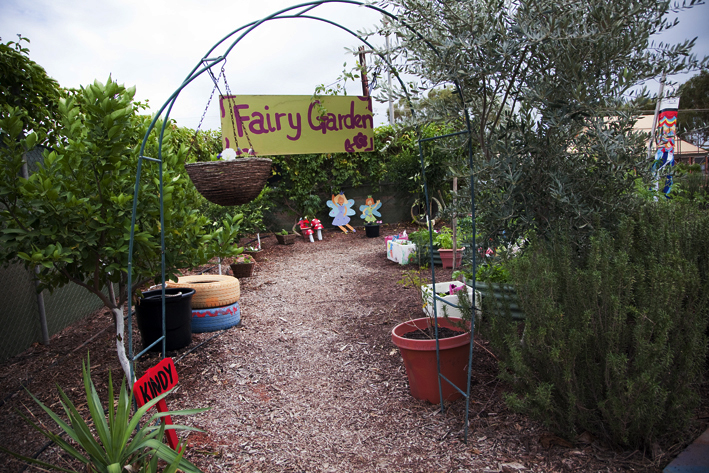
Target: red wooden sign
[(154, 382)]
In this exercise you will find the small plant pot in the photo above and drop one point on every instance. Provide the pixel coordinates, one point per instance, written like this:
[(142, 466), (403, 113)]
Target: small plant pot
[(178, 317), (443, 309), (372, 231), (447, 257), (420, 360), (256, 255), (242, 270), (286, 239)]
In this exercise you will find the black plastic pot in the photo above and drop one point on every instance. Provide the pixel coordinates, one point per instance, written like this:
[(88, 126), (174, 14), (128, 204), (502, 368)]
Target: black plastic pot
[(178, 317), (372, 230)]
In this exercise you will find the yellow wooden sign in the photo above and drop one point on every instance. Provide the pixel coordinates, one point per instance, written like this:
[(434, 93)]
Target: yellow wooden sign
[(296, 124)]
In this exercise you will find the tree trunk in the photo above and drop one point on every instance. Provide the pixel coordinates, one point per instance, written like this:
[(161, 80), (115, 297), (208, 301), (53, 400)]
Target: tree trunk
[(120, 344)]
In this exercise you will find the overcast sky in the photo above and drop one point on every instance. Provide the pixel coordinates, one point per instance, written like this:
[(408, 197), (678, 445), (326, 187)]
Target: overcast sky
[(154, 44)]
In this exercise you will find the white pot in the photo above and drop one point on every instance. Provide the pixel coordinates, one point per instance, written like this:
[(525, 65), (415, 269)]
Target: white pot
[(444, 287)]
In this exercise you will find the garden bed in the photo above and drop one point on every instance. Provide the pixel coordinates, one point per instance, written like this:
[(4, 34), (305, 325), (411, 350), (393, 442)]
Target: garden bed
[(311, 381)]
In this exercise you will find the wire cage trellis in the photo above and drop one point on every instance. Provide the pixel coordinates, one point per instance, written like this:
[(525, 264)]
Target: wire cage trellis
[(205, 65)]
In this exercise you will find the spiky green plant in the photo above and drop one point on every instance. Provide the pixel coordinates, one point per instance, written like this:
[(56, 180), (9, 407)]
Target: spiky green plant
[(118, 444)]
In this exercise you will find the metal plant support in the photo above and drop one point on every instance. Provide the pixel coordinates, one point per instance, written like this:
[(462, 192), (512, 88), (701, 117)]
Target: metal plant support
[(205, 65)]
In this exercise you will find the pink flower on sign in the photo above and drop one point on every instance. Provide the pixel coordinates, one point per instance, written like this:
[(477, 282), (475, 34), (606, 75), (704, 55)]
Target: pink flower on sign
[(361, 141)]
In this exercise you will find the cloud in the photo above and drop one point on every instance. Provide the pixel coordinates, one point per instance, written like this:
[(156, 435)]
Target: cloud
[(155, 44)]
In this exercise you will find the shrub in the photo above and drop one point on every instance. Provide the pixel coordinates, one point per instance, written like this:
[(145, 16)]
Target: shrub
[(614, 341)]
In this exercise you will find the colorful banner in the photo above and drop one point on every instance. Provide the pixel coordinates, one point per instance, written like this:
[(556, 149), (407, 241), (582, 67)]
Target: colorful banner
[(666, 130), (665, 134), (264, 125)]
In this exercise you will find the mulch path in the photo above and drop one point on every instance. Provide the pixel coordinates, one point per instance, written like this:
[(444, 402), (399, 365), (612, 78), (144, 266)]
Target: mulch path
[(310, 381)]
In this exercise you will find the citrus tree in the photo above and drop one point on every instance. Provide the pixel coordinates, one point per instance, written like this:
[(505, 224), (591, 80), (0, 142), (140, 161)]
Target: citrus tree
[(72, 216)]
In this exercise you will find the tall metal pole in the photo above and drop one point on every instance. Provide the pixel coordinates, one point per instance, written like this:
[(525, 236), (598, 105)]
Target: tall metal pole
[(654, 120), (391, 99), (363, 66), (654, 126), (35, 278)]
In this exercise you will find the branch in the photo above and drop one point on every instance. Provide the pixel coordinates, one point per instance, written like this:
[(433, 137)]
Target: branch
[(105, 299), (509, 88)]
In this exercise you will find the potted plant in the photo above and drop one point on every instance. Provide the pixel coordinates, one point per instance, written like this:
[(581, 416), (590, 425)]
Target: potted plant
[(254, 251), (370, 210), (444, 241), (285, 238), (416, 340), (371, 229), (243, 266)]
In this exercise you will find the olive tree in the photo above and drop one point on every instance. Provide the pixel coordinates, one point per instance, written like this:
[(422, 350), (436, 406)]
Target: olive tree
[(546, 83), (72, 216)]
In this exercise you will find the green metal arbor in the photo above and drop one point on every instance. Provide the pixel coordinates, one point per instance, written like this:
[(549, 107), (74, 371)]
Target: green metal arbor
[(205, 65)]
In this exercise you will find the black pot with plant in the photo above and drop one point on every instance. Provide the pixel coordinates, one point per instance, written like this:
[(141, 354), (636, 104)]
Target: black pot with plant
[(178, 317), (372, 229)]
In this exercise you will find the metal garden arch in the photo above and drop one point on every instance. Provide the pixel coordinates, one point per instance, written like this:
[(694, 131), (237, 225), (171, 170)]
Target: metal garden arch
[(205, 65)]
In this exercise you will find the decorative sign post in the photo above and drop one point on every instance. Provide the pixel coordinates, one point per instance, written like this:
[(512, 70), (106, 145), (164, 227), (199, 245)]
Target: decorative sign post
[(155, 381), (296, 124), (665, 135)]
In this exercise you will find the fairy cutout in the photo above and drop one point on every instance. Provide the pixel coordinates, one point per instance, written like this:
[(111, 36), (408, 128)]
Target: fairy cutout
[(341, 208), (370, 210)]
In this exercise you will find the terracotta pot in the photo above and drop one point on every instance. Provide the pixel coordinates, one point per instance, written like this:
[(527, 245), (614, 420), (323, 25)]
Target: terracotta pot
[(420, 361), (447, 257)]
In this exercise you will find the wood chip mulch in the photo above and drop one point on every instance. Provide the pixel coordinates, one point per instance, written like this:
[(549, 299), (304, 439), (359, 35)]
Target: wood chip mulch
[(311, 382)]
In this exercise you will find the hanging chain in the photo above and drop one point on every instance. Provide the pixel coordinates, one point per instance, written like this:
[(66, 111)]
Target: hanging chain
[(204, 114), (229, 96)]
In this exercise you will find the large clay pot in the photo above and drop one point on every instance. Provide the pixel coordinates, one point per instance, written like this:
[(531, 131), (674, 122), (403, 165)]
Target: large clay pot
[(447, 257), (178, 317), (420, 360)]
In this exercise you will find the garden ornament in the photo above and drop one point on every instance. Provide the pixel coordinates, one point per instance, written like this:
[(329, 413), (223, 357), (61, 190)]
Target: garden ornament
[(370, 210), (306, 229), (341, 208), (317, 226)]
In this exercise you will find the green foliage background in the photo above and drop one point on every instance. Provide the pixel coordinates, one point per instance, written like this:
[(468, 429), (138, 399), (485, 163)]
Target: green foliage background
[(614, 342)]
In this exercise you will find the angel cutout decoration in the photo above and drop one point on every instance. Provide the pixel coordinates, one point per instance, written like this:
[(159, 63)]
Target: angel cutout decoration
[(370, 210), (341, 208)]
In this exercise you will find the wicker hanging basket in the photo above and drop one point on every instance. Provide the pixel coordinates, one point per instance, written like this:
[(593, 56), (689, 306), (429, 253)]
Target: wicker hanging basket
[(230, 182)]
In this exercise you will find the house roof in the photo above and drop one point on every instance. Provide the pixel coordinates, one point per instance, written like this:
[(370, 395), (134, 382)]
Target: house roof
[(682, 148)]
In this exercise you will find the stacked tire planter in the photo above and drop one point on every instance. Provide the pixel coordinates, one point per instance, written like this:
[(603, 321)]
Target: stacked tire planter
[(215, 304)]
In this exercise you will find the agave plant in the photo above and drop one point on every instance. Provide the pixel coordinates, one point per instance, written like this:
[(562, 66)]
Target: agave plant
[(119, 444)]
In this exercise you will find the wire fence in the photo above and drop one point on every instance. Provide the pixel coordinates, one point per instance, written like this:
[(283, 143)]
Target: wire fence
[(20, 316), (20, 309)]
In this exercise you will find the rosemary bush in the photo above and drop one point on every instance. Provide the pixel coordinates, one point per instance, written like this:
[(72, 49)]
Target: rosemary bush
[(614, 341)]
